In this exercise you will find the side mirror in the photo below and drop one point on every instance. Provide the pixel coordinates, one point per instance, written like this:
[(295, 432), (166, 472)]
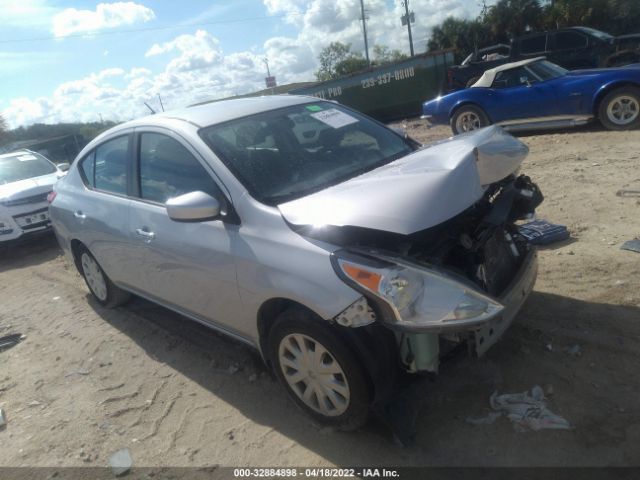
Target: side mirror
[(63, 167), (193, 207)]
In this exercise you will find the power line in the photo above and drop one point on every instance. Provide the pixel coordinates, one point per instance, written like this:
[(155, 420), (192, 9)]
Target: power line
[(148, 29)]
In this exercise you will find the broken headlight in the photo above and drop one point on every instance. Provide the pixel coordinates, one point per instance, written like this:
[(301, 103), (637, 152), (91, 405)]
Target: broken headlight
[(412, 297)]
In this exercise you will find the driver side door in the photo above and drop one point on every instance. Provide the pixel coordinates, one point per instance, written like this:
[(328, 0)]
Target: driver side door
[(187, 266), (518, 94)]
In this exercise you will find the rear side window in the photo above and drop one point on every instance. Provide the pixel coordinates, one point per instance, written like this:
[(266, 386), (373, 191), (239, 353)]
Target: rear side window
[(168, 169), (533, 44), (513, 78), (570, 40)]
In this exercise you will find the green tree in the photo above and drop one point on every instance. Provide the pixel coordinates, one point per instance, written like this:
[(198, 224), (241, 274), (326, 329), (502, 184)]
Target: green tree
[(383, 55), (336, 60), (3, 127), (463, 35), (510, 18)]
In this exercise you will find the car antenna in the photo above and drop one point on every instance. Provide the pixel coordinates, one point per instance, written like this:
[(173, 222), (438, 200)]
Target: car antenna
[(147, 105)]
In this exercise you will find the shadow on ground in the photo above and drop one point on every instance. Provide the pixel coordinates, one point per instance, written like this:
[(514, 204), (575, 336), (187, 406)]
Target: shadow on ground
[(34, 251), (596, 391)]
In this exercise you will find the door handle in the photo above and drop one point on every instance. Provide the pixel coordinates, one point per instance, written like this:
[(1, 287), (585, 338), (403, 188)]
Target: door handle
[(79, 215), (145, 233)]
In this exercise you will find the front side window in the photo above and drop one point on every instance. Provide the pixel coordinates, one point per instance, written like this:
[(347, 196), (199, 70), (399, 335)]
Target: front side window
[(168, 169), (570, 40), (546, 70), (24, 165), (533, 44), (513, 78), (109, 166), (284, 154)]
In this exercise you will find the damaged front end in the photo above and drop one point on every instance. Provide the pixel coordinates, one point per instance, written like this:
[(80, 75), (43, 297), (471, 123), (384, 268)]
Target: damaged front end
[(463, 280), (460, 280)]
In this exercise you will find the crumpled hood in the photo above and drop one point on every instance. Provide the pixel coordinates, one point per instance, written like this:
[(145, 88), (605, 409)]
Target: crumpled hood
[(29, 187), (418, 191)]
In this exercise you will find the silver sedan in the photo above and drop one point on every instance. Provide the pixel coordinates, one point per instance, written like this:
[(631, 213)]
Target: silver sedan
[(340, 249)]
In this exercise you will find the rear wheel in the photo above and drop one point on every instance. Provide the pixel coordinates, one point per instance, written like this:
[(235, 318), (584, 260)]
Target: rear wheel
[(100, 286), (468, 118), (318, 370), (620, 109)]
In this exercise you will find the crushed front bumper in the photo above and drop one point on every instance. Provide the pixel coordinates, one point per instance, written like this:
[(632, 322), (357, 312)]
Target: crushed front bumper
[(512, 300)]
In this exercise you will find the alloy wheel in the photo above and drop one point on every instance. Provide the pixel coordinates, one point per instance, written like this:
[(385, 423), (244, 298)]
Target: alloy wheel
[(623, 110), (467, 121)]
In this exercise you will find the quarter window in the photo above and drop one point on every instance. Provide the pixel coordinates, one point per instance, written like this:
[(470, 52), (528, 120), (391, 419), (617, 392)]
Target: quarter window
[(168, 169), (87, 167)]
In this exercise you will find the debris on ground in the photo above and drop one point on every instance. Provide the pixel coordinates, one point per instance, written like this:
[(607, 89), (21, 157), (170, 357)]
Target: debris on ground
[(120, 462), (9, 341), (574, 350), (485, 420), (625, 192), (3, 420), (528, 410), (81, 371), (632, 245), (541, 232)]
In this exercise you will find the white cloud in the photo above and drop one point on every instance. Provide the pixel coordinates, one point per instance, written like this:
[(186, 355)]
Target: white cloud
[(26, 13), (196, 67), (106, 15), (196, 52)]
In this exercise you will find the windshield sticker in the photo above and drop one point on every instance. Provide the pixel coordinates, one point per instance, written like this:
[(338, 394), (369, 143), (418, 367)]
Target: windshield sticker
[(24, 158), (314, 108), (334, 118)]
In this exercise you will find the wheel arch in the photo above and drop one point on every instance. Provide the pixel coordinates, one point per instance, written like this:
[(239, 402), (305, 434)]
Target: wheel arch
[(467, 103), (76, 247), (608, 88), (373, 344)]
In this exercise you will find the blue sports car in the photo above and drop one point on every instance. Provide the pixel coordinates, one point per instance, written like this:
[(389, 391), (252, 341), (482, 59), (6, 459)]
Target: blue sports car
[(535, 93)]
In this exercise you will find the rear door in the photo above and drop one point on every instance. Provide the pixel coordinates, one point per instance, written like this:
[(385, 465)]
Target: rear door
[(187, 266), (99, 214)]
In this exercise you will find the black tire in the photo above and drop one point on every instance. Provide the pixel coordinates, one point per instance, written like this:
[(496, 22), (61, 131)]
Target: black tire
[(606, 115), (298, 321), (112, 296), (472, 110)]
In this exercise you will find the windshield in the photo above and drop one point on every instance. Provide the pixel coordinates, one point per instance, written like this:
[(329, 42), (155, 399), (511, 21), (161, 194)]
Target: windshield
[(288, 153), (546, 70), (21, 166)]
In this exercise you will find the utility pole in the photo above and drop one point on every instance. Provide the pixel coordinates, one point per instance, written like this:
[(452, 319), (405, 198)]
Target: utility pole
[(408, 18), (364, 29)]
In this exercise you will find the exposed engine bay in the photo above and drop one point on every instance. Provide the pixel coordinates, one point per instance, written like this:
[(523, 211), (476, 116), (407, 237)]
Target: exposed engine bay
[(482, 243)]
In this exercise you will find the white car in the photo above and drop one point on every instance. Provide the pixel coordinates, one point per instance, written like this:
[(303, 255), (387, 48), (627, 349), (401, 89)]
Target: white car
[(26, 179)]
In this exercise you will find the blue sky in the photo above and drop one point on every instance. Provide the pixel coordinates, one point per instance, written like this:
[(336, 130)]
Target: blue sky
[(77, 60)]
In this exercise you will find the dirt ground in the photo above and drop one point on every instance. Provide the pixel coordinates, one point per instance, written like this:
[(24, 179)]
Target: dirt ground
[(86, 381)]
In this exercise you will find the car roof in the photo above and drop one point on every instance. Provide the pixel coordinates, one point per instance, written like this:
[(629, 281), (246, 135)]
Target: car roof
[(486, 80), (15, 153), (221, 111)]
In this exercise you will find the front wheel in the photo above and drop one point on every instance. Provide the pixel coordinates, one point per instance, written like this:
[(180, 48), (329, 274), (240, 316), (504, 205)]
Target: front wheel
[(320, 373), (468, 118), (100, 286), (620, 109)]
